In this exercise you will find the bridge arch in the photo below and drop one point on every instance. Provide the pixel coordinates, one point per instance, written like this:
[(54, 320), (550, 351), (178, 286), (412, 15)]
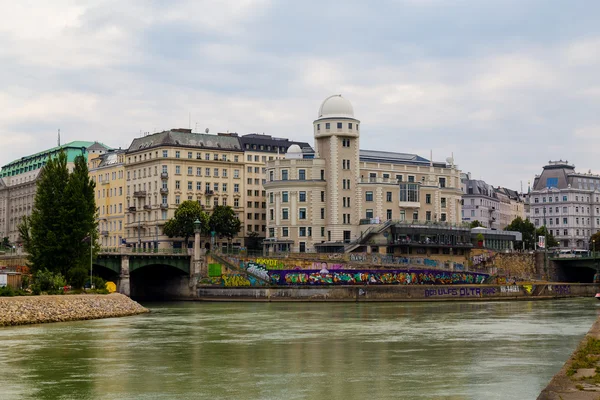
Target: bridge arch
[(158, 281)]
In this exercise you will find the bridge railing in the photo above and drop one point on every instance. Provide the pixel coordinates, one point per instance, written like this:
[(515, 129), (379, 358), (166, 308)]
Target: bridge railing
[(131, 250)]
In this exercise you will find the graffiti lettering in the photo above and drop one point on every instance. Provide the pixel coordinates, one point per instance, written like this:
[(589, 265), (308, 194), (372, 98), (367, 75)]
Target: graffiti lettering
[(358, 257), (453, 292), (270, 263), (258, 270), (488, 291), (561, 289), (510, 289)]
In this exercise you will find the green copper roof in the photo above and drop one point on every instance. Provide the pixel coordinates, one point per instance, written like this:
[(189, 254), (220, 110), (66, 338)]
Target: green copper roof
[(38, 160)]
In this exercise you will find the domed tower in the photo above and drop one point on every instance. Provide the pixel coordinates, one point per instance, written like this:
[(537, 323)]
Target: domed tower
[(337, 141)]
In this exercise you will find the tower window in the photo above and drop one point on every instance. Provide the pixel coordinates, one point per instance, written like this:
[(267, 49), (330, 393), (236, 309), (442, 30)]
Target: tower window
[(339, 125), (327, 125)]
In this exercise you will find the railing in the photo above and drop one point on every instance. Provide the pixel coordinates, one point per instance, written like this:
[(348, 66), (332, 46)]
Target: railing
[(164, 190), (131, 250), (104, 233), (163, 206), (132, 209), (164, 175), (147, 207), (139, 193)]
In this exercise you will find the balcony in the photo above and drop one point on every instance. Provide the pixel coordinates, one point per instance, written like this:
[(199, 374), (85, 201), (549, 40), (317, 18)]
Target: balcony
[(409, 204), (132, 209), (104, 182), (139, 193), (164, 206), (209, 192), (147, 207), (164, 175), (104, 233), (164, 190)]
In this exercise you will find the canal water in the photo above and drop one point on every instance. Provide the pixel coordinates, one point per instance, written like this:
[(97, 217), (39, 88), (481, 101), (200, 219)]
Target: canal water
[(193, 350)]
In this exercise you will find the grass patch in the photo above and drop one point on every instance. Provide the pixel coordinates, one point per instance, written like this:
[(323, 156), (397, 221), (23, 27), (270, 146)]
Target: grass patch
[(586, 356)]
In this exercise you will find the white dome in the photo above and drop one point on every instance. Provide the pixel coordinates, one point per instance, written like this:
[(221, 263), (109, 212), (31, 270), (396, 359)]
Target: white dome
[(335, 107), (294, 149)]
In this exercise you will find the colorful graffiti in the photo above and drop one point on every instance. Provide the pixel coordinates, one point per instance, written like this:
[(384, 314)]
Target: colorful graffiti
[(235, 280), (362, 277), (258, 270)]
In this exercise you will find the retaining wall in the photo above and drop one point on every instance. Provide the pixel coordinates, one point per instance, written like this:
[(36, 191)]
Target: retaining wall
[(400, 293)]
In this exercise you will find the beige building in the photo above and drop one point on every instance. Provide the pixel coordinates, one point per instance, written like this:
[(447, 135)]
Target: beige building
[(318, 203), (166, 168), (108, 172)]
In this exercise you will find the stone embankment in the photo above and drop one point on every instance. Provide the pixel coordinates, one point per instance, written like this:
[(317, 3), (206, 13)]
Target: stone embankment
[(579, 378), (40, 309)]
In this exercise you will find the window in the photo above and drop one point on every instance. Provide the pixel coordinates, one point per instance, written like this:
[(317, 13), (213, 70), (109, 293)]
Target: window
[(165, 153), (415, 216), (284, 197), (284, 175), (190, 171), (216, 187), (177, 199), (236, 173), (198, 186), (189, 154), (443, 202), (177, 154), (369, 196), (284, 231), (216, 157), (388, 214), (302, 231), (302, 174), (302, 197), (224, 187), (536, 200), (189, 185), (216, 172), (236, 202), (322, 195), (318, 127), (428, 199), (284, 213), (443, 217), (411, 178), (368, 213), (327, 125), (271, 197), (350, 125), (409, 192), (271, 214), (339, 125), (428, 216), (177, 170), (177, 184), (224, 173), (236, 188), (388, 196), (302, 213), (270, 175), (322, 213), (207, 171), (442, 182)]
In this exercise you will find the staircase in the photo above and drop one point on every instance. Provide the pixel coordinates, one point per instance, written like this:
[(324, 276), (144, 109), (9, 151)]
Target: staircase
[(366, 235), (224, 260)]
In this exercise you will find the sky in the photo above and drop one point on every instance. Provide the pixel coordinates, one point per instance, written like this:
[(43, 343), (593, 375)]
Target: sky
[(503, 86)]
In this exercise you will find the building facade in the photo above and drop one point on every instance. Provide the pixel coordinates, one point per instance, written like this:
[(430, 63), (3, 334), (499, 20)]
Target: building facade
[(18, 182), (567, 203), (333, 197), (108, 172)]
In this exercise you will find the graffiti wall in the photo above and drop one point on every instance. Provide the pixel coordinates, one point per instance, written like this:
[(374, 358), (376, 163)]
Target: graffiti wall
[(374, 277)]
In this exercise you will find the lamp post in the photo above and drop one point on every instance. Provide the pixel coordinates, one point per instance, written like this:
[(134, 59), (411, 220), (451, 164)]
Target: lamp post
[(545, 245), (91, 262), (197, 230), (594, 248)]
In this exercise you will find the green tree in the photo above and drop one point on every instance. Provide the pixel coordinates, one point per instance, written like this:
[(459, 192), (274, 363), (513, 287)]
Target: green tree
[(253, 241), (550, 240), (182, 224), (63, 214), (43, 233), (224, 222), (595, 241), (526, 228), (475, 224), (5, 243)]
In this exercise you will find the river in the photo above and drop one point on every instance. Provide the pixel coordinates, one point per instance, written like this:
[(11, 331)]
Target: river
[(372, 351)]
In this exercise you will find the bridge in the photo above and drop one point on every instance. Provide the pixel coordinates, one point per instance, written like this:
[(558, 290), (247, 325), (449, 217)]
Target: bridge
[(574, 268), (149, 273)]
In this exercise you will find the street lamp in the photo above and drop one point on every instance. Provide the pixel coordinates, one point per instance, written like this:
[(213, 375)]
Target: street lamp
[(594, 248), (197, 226)]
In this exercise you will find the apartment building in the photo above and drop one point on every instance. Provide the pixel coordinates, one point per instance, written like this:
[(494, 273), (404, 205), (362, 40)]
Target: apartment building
[(18, 182), (258, 150), (318, 202), (166, 168), (567, 203), (108, 172)]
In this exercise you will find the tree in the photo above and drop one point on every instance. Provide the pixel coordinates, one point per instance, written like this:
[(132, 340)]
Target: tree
[(595, 241), (224, 222), (182, 224), (63, 214), (475, 224), (5, 243), (526, 228), (44, 232), (253, 241), (550, 240)]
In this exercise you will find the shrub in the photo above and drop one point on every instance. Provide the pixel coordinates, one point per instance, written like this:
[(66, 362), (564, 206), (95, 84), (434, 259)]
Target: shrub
[(46, 281), (99, 283), (25, 281), (6, 291), (77, 277)]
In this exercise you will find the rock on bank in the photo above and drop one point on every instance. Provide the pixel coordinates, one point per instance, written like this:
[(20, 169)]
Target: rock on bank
[(40, 309)]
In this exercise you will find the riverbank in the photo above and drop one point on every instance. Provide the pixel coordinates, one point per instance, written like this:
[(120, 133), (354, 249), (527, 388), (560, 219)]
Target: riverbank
[(579, 378), (367, 293), (42, 309)]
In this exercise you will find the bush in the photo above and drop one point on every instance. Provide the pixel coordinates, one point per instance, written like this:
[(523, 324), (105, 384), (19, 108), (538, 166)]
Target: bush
[(46, 281), (77, 277), (25, 281), (99, 283), (6, 291)]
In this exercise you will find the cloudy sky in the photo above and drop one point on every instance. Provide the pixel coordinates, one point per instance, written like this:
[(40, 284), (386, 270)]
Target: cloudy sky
[(504, 85)]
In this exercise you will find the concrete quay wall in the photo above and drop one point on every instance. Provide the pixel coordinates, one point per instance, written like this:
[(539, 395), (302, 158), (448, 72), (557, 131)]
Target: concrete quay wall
[(399, 292), (23, 310)]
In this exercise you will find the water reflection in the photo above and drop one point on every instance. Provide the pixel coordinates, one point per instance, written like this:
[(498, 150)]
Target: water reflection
[(495, 350)]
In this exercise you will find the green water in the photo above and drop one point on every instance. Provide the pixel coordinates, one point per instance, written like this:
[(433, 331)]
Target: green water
[(496, 350)]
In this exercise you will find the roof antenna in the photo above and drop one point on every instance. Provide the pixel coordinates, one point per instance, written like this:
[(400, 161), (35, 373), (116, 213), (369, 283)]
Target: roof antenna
[(59, 138)]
